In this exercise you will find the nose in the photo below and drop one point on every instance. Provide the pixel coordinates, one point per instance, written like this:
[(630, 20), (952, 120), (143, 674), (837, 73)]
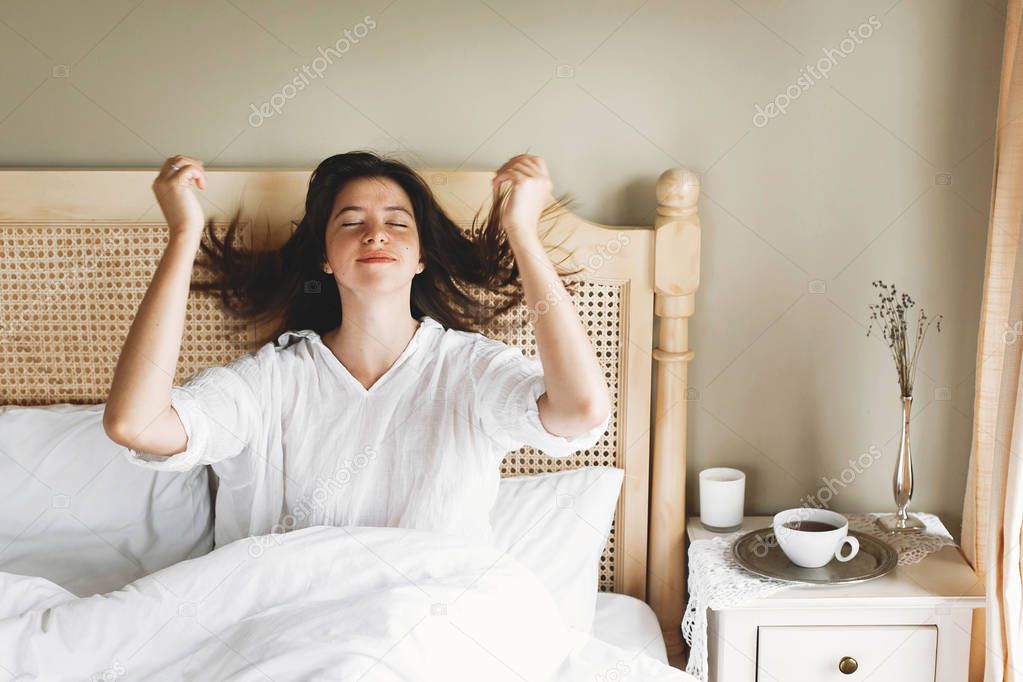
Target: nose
[(375, 232)]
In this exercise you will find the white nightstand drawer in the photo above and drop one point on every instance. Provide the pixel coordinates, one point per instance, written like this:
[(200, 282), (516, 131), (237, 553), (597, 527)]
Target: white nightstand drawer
[(814, 653)]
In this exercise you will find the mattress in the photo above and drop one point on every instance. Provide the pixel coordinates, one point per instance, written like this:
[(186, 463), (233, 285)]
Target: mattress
[(630, 624)]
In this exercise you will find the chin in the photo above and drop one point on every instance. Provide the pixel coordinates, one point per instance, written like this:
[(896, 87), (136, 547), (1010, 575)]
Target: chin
[(379, 285)]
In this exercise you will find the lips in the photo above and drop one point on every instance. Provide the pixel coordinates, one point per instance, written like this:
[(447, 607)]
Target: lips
[(377, 258)]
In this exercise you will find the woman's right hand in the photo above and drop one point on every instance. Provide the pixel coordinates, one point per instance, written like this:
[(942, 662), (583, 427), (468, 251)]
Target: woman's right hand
[(178, 202)]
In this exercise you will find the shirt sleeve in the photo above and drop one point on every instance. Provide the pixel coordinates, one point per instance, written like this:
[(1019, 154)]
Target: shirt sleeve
[(506, 386), (219, 410)]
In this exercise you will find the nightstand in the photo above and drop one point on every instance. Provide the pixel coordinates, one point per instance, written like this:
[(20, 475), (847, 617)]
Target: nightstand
[(911, 625)]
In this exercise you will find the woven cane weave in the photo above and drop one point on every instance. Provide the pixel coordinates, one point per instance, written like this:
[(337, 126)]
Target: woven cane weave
[(68, 295), (70, 291), (599, 306)]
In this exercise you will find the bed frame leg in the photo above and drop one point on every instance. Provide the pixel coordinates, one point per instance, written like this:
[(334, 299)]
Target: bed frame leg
[(676, 279)]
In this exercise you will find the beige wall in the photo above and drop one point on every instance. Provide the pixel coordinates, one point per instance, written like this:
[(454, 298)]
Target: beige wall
[(880, 170)]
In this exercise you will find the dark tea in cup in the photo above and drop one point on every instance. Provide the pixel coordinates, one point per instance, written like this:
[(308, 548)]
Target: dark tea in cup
[(811, 526)]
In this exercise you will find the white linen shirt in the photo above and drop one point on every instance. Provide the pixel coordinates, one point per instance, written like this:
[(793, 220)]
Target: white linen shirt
[(296, 440)]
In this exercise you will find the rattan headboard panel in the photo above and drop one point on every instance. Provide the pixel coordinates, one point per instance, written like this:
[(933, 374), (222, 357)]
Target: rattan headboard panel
[(69, 293), (599, 306)]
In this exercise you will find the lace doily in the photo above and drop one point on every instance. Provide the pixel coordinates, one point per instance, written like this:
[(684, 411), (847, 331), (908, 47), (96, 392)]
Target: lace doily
[(911, 547), (717, 582)]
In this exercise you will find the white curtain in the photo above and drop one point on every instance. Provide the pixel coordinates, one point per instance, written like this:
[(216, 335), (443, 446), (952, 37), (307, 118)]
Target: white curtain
[(993, 509)]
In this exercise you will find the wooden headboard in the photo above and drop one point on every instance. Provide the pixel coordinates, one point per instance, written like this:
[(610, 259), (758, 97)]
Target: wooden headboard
[(78, 249)]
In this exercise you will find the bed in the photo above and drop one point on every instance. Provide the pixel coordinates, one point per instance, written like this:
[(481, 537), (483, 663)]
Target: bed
[(78, 248)]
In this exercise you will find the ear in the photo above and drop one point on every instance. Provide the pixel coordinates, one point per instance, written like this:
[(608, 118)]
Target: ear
[(325, 266), (422, 266)]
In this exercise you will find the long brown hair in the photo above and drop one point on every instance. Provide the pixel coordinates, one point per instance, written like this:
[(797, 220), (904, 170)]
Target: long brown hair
[(286, 286)]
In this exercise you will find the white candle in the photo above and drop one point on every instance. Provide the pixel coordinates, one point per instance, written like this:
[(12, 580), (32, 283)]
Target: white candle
[(722, 492)]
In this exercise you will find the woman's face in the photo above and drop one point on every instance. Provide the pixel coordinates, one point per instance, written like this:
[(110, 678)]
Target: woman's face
[(372, 216)]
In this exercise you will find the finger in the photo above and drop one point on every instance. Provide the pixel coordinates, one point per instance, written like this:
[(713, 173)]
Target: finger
[(536, 163), (522, 159), (513, 176), (185, 163), (510, 162), (178, 170), (514, 163), (504, 166), (518, 167), (503, 176), (181, 171), (189, 173), (198, 175), (523, 172), (532, 164), (180, 160)]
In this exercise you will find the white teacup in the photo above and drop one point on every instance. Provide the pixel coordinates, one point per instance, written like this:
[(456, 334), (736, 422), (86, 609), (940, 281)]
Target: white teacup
[(807, 544)]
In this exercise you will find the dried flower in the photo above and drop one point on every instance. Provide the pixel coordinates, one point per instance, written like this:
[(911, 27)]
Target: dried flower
[(890, 315)]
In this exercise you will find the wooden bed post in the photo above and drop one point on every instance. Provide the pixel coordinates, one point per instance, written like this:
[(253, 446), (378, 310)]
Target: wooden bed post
[(676, 279)]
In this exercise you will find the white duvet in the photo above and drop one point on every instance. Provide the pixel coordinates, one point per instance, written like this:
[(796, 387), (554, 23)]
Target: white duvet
[(322, 603)]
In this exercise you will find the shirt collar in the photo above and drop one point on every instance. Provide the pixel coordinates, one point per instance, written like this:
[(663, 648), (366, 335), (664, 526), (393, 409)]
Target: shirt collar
[(283, 340)]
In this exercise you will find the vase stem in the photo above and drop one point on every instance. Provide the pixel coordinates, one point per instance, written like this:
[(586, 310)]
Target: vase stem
[(902, 482)]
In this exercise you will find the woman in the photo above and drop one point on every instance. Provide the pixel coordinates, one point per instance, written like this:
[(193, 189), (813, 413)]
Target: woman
[(379, 404)]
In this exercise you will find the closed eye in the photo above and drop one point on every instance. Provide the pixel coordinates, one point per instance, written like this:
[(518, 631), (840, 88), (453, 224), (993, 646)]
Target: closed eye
[(395, 224)]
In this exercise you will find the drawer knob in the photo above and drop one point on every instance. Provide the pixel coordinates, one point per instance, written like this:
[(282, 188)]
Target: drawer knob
[(848, 665)]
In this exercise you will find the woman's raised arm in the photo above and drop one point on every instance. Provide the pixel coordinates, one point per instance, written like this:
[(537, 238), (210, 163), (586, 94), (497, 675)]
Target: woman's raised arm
[(138, 412)]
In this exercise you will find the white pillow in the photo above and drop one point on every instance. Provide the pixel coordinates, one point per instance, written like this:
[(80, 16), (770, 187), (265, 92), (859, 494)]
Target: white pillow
[(557, 526), (74, 510)]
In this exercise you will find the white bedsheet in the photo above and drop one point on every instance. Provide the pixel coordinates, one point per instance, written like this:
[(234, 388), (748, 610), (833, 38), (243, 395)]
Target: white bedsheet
[(314, 604), (629, 623)]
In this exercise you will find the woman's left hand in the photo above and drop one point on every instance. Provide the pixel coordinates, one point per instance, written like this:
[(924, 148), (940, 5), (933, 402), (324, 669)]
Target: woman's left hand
[(530, 192)]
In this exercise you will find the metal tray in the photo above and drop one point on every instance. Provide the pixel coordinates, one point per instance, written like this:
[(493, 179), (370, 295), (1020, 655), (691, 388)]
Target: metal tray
[(758, 552)]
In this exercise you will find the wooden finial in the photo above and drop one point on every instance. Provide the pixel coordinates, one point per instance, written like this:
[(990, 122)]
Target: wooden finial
[(678, 192)]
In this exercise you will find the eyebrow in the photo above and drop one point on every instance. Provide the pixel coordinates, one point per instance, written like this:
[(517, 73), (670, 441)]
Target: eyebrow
[(360, 208)]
